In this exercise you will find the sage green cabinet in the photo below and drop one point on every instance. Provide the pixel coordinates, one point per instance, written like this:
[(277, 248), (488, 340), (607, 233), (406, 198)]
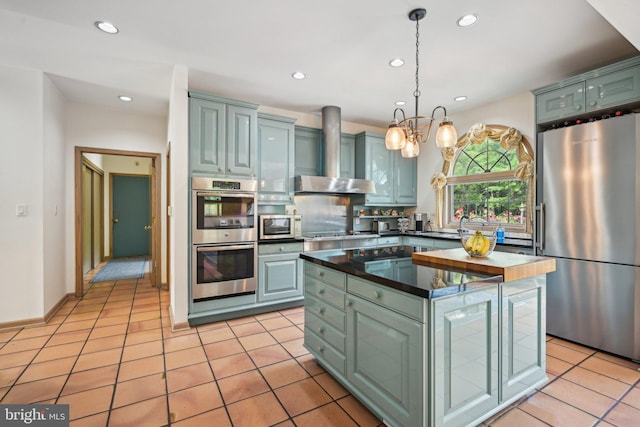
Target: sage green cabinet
[(276, 153), (347, 156), (279, 271), (385, 360), (307, 151), (394, 176), (222, 136), (584, 95), (464, 358)]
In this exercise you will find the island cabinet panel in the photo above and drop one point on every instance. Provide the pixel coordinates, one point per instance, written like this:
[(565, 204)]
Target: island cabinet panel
[(465, 357), (523, 334), (385, 361), (279, 276)]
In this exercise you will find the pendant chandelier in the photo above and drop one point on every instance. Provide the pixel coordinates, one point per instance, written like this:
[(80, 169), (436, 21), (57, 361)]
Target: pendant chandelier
[(407, 134)]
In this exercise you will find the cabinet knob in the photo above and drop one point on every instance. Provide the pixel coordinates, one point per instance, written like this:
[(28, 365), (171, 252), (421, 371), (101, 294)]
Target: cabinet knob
[(281, 249), (320, 291), (321, 311), (321, 349), (321, 274), (593, 103), (321, 331), (578, 107), (349, 303), (377, 294)]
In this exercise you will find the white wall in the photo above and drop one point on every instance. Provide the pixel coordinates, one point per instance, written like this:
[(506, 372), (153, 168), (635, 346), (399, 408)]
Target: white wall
[(97, 127), (54, 168), (21, 178), (517, 112)]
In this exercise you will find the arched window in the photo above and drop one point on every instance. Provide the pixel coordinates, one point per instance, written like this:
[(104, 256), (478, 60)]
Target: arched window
[(487, 176)]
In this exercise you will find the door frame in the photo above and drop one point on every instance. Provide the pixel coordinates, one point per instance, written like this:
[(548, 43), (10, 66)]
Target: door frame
[(155, 210)]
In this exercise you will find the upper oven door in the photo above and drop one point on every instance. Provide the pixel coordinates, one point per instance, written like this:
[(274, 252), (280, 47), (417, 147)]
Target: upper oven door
[(223, 217), (276, 227)]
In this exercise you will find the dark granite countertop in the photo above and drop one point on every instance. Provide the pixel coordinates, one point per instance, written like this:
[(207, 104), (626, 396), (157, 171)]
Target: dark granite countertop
[(379, 266)]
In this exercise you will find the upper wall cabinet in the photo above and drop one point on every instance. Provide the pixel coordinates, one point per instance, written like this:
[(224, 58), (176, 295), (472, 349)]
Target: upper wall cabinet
[(275, 159), (222, 136), (394, 176), (309, 153), (590, 94)]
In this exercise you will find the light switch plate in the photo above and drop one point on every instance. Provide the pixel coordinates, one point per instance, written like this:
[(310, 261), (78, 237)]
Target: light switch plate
[(21, 210)]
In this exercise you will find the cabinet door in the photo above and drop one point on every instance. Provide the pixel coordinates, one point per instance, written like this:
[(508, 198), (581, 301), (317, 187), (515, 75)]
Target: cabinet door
[(275, 162), (384, 360), (347, 156), (564, 102), (279, 277), (406, 180), (464, 363), (206, 136), (242, 123), (613, 89), (523, 335), (307, 151), (379, 167)]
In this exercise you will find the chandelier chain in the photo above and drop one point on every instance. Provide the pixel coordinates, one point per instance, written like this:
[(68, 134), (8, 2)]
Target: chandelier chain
[(417, 92)]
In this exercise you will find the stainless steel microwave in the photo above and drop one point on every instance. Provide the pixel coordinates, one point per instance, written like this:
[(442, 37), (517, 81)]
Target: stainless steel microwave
[(280, 227)]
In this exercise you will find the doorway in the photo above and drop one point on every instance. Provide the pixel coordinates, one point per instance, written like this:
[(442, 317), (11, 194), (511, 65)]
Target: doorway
[(153, 224), (130, 215)]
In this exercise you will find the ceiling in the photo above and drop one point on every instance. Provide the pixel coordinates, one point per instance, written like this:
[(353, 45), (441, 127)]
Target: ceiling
[(248, 49)]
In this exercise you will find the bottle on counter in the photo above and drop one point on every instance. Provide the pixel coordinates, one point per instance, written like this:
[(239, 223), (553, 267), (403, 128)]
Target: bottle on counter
[(500, 234)]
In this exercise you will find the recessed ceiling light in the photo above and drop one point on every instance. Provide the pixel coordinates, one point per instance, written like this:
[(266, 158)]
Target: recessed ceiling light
[(397, 62), (298, 75), (400, 103), (125, 98), (468, 20), (107, 27), (460, 98)]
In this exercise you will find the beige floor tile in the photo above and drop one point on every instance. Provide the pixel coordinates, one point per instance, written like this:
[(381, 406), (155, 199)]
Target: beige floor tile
[(302, 396), (217, 417), (582, 398), (597, 382), (258, 411), (38, 331), (211, 326), (287, 423), (21, 358), (557, 367), (35, 391), (296, 318), (310, 364), (108, 331), (188, 376), (8, 335), (633, 398), (97, 359), (623, 415), (331, 386), (68, 337), (72, 326), (276, 323), (96, 420), (168, 333), (251, 342), (143, 336), (139, 351), (195, 400), (59, 352), (152, 412), (269, 355), (565, 353), (242, 386), (358, 412), (295, 347), (138, 389), (220, 349), (141, 367), (268, 315), (618, 360), (52, 368), (144, 325), (249, 328), (93, 378), (9, 376), (145, 315), (327, 415), (180, 358), (241, 320), (88, 402), (555, 412), (182, 342), (208, 336), (283, 373), (15, 346), (111, 321), (612, 370), (287, 334), (106, 343), (517, 418), (231, 365)]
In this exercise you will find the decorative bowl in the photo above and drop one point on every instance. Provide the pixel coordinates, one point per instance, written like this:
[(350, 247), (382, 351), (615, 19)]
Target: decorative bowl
[(479, 243)]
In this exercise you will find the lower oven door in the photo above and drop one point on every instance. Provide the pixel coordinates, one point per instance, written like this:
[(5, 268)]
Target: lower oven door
[(223, 270)]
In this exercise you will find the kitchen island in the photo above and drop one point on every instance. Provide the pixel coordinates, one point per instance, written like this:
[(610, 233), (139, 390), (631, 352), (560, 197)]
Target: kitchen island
[(421, 343)]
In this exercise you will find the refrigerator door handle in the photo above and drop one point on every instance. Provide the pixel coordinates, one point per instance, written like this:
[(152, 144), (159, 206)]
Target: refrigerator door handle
[(541, 227)]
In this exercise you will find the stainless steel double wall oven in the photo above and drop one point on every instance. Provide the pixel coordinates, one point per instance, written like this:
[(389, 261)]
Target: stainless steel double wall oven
[(224, 237)]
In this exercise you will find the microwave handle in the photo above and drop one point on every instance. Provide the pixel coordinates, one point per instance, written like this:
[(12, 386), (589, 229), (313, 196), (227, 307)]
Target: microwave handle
[(220, 248), (223, 194)]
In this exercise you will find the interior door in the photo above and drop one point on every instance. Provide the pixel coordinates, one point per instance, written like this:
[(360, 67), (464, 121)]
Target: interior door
[(131, 215)]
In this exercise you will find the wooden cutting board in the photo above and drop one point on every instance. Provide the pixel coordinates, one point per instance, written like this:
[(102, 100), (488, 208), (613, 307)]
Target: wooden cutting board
[(510, 266)]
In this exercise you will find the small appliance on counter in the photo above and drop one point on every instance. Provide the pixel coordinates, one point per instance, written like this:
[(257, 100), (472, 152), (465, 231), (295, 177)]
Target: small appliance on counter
[(381, 226), (417, 219), (280, 227)]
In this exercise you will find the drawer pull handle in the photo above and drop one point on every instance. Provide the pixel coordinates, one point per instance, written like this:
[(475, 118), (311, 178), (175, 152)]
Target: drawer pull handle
[(322, 310), (321, 274), (377, 294), (321, 349), (349, 303), (321, 331), (320, 291)]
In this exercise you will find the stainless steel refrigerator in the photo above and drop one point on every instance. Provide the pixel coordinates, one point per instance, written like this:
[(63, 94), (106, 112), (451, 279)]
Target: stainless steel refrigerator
[(587, 203)]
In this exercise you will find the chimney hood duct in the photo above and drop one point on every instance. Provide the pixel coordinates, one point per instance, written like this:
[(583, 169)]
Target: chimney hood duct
[(330, 182)]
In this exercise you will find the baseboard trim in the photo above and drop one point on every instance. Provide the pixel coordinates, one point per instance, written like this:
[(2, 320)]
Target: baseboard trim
[(176, 327), (38, 321)]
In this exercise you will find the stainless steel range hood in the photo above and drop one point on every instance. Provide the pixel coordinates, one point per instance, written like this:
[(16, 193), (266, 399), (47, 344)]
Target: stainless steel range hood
[(330, 182)]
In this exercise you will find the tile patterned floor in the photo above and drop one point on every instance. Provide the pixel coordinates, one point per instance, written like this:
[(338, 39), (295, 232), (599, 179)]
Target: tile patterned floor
[(113, 357)]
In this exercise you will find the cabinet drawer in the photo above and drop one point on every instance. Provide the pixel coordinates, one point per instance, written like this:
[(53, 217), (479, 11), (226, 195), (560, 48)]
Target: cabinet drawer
[(279, 248), (324, 352), (391, 240), (325, 292), (323, 310), (409, 305), (325, 275), (325, 331)]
